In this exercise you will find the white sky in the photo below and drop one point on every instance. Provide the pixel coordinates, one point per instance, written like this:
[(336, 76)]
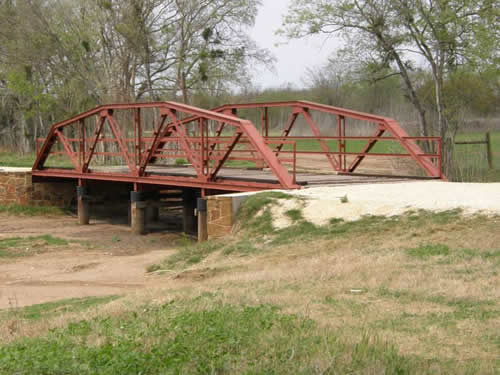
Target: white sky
[(292, 58)]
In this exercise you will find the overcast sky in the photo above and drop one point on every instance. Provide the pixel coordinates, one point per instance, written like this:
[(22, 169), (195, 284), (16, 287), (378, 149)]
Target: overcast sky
[(295, 56)]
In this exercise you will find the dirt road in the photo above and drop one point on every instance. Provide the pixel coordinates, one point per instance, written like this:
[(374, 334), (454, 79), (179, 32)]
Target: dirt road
[(100, 259)]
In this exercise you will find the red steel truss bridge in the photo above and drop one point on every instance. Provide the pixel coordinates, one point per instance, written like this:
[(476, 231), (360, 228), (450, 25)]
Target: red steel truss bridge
[(176, 145)]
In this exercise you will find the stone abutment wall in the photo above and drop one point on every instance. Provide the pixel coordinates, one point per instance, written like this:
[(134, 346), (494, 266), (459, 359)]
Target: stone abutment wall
[(16, 187)]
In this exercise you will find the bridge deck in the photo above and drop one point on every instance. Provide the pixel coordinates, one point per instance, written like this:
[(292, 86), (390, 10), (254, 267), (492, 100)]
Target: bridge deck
[(259, 175)]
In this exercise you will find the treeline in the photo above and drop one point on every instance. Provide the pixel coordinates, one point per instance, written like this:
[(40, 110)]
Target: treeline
[(60, 57)]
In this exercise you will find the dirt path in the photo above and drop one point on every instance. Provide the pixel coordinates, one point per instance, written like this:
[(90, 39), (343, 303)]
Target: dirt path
[(101, 259)]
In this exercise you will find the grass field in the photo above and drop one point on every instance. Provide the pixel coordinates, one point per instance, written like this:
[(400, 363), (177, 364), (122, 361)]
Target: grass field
[(10, 159), (413, 294), (471, 160)]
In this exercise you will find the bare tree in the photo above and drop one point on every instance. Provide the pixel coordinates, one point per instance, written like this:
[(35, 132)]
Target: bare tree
[(398, 34)]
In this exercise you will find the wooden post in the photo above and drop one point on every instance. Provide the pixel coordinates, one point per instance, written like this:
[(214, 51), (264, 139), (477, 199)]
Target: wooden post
[(83, 205), (137, 212), (189, 205), (201, 210), (489, 152)]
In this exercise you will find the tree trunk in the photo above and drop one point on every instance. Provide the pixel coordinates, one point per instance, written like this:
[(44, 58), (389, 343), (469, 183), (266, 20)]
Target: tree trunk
[(414, 99), (447, 136), (25, 134), (184, 89)]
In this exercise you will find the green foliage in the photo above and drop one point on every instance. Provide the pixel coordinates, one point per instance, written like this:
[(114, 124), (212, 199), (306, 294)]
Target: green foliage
[(211, 57), (176, 338), (380, 34)]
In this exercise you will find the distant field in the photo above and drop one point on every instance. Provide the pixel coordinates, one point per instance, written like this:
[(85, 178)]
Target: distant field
[(472, 162), (10, 159)]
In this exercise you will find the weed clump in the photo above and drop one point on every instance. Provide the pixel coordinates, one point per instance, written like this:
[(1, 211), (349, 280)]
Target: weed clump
[(429, 250), (14, 247)]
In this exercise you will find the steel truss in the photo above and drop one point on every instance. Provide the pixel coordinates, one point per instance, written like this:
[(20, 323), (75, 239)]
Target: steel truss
[(208, 139)]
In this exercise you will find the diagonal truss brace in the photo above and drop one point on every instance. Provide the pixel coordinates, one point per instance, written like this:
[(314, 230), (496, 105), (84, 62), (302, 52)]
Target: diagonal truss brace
[(286, 132), (229, 149), (97, 134), (366, 149), (160, 132), (182, 136), (322, 143), (115, 128), (67, 147)]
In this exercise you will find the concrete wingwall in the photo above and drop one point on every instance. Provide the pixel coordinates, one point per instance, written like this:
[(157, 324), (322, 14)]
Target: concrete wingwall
[(222, 211)]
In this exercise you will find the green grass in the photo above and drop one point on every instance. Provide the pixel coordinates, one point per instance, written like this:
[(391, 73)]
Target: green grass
[(193, 338), (51, 309), (307, 231), (429, 250), (461, 308), (242, 247), (258, 233), (14, 247), (389, 146), (16, 209), (12, 159), (294, 214), (206, 334), (471, 160), (248, 211), (180, 161)]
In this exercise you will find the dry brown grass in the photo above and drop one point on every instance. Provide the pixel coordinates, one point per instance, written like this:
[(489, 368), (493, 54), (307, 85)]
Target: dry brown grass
[(444, 306), (438, 307)]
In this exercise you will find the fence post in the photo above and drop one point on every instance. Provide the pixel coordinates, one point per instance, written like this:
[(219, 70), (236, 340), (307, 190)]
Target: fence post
[(489, 152)]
